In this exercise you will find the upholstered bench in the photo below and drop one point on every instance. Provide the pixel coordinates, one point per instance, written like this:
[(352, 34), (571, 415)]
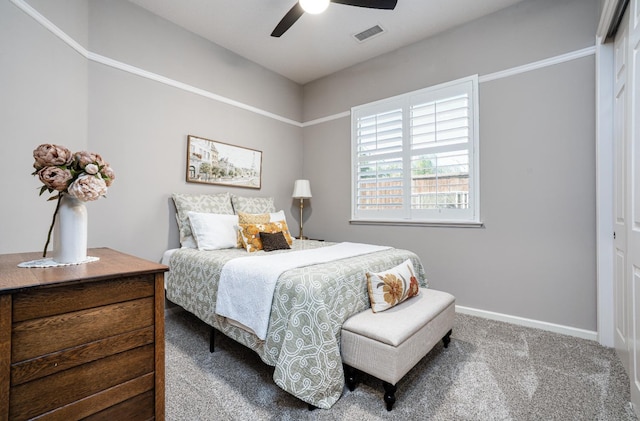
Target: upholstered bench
[(388, 344)]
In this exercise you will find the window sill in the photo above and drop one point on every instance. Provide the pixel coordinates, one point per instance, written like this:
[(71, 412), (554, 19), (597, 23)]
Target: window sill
[(438, 224)]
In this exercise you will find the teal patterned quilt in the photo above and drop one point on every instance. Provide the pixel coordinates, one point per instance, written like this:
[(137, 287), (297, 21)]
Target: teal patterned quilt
[(309, 306)]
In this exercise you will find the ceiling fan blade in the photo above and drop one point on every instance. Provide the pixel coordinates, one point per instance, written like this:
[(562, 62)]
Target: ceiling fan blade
[(289, 19), (371, 4)]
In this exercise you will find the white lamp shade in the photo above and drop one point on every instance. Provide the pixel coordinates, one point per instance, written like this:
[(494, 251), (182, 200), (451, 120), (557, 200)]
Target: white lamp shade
[(314, 6), (301, 189)]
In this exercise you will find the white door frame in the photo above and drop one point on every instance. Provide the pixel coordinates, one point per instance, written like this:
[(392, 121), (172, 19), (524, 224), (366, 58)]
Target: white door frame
[(604, 177)]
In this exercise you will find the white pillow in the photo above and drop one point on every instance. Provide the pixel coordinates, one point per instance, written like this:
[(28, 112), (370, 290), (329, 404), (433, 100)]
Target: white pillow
[(277, 216), (214, 231)]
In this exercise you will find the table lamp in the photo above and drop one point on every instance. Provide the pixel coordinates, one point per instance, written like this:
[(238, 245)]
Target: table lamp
[(301, 190)]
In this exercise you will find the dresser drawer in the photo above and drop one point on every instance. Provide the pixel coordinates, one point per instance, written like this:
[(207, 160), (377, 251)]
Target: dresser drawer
[(37, 337), (34, 368), (50, 301), (82, 382), (139, 407)]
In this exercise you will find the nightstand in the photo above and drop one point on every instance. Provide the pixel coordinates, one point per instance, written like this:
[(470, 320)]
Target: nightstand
[(82, 340)]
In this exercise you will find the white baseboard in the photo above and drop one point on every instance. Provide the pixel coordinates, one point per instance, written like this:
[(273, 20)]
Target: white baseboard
[(521, 321)]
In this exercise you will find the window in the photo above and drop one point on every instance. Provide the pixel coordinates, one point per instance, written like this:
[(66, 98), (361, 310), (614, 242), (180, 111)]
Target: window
[(415, 156)]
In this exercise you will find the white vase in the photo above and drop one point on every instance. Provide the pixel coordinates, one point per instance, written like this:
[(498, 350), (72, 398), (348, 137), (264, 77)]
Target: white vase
[(70, 231)]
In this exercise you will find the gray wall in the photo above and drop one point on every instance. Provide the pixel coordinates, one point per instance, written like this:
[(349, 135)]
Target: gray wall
[(43, 91), (535, 257), (139, 125)]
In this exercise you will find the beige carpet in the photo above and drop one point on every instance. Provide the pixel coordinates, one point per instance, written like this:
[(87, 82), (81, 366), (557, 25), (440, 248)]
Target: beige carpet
[(491, 371)]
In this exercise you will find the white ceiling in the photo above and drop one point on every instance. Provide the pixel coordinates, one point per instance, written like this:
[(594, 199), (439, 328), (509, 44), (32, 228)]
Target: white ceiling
[(316, 45)]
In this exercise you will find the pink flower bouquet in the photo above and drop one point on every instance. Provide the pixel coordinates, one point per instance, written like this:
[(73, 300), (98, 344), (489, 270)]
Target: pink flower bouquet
[(83, 175)]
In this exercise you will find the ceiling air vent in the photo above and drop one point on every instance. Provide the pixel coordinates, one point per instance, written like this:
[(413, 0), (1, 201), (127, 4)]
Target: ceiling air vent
[(369, 33)]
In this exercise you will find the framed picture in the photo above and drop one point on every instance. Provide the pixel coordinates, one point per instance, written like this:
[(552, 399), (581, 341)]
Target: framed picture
[(213, 162)]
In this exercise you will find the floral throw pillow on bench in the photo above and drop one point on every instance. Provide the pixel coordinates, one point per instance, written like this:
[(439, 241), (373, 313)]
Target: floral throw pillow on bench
[(393, 286)]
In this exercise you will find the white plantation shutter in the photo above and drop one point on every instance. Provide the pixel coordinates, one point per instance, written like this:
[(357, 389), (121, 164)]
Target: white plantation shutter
[(379, 154), (415, 156)]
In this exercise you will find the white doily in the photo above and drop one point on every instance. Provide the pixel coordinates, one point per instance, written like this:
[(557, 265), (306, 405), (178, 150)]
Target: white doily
[(50, 263)]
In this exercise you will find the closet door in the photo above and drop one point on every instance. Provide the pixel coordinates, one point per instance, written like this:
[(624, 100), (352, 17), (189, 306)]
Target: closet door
[(620, 286), (633, 188)]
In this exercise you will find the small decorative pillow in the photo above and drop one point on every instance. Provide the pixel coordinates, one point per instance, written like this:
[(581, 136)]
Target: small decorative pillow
[(391, 287), (275, 241), (253, 218), (213, 231), (259, 218), (251, 233), (250, 218)]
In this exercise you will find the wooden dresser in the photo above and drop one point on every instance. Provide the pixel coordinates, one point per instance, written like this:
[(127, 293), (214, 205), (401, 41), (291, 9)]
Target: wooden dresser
[(82, 341)]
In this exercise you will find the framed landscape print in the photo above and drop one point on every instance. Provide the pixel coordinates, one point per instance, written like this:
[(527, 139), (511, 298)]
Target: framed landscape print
[(213, 162)]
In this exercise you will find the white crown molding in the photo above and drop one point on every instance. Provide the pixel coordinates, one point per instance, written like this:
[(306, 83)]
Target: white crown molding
[(552, 61), (21, 4), (327, 118), (186, 87)]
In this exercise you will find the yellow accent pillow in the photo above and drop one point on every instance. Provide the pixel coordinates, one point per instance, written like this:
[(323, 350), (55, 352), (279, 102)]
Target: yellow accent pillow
[(391, 287), (253, 218), (258, 218), (250, 218), (251, 233)]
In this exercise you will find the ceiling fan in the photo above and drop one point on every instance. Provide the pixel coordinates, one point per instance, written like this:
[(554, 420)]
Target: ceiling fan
[(319, 6)]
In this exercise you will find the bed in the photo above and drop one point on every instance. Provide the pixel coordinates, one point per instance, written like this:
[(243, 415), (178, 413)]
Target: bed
[(308, 307)]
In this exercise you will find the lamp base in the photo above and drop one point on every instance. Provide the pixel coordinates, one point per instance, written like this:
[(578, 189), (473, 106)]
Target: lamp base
[(302, 238)]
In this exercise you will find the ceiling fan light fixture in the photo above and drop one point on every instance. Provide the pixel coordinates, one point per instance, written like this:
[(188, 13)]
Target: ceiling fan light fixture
[(314, 7)]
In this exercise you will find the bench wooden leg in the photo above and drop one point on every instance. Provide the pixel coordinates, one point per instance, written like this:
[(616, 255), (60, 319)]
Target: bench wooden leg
[(447, 338), (389, 394), (350, 377)]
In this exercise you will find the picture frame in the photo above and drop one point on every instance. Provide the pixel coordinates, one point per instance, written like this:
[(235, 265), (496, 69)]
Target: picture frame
[(213, 162)]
